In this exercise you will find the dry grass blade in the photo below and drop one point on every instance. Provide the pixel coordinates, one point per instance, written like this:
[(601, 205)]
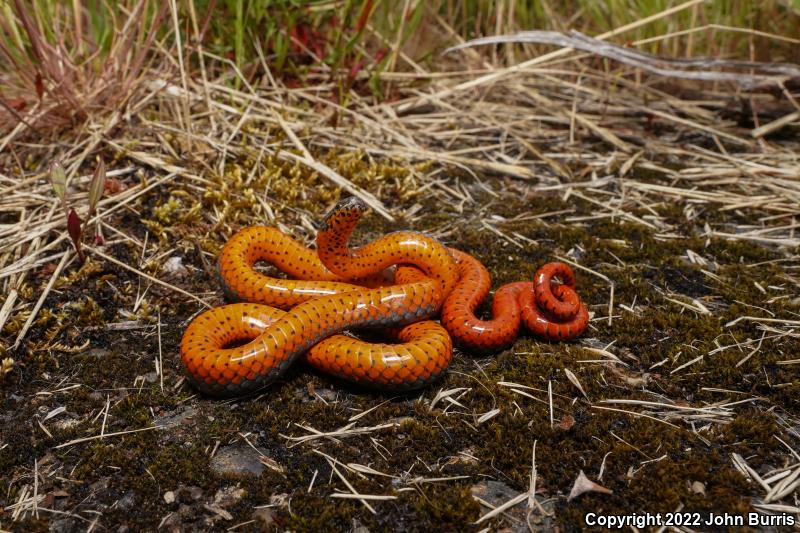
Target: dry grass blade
[(343, 432), (359, 496), (574, 380), (634, 413), (502, 508), (147, 276), (353, 491), (105, 435), (772, 73), (61, 264), (721, 414)]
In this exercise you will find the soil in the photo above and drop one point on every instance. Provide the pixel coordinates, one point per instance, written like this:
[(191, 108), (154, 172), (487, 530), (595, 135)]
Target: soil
[(104, 351)]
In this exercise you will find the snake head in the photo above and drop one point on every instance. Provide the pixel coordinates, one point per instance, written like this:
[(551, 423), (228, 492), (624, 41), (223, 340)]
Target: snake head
[(348, 209)]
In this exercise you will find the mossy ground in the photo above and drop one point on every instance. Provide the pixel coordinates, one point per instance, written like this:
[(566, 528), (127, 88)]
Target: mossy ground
[(650, 464)]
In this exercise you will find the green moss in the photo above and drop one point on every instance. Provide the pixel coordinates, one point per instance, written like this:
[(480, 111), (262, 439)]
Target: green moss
[(447, 507), (650, 465), (176, 463), (318, 514), (89, 313)]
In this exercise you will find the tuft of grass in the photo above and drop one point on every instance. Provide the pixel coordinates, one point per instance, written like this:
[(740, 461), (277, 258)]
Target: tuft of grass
[(291, 38), (66, 63)]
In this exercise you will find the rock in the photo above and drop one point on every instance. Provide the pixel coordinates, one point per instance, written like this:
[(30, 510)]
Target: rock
[(101, 485), (174, 266), (66, 423), (494, 492), (228, 496), (497, 493), (237, 460), (358, 527), (402, 420), (63, 525), (172, 523), (183, 494), (97, 353), (177, 418), (195, 493), (57, 500), (324, 395), (127, 501), (279, 500), (698, 488), (265, 515)]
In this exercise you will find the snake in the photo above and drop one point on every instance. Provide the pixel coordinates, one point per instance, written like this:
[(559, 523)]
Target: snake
[(397, 283), (553, 312)]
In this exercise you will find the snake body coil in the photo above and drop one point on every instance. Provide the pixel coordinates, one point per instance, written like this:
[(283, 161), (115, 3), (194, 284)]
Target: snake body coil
[(340, 288)]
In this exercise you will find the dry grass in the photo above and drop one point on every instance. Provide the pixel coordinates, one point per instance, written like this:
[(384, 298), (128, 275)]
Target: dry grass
[(60, 72), (562, 124)]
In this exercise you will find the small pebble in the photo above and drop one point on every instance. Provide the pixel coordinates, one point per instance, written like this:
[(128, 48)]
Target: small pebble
[(265, 515), (174, 266), (238, 460)]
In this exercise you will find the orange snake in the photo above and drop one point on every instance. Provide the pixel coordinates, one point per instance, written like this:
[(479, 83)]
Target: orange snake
[(338, 288)]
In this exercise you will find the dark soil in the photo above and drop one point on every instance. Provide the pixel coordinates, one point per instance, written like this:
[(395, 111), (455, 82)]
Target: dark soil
[(94, 349)]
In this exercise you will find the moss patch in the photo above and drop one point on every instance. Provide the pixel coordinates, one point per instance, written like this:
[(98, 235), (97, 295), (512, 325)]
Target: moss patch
[(652, 455)]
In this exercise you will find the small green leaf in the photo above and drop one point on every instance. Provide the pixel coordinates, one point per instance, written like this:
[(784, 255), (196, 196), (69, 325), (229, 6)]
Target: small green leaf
[(97, 186), (59, 180)]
